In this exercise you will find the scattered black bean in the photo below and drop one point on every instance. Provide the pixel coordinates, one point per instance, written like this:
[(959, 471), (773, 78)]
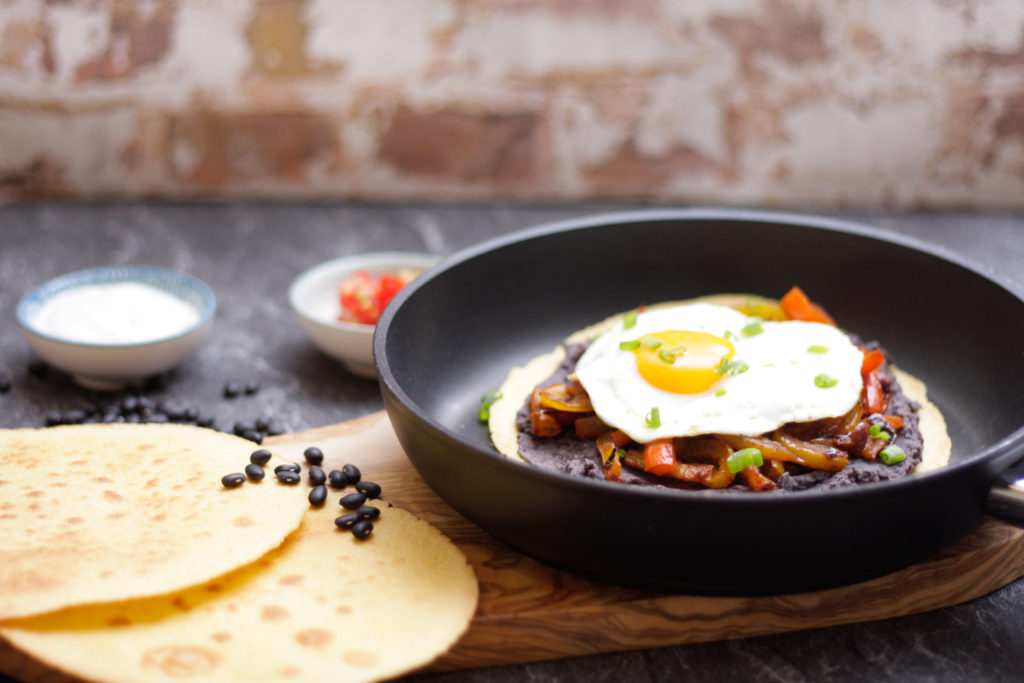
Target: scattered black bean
[(254, 472), (38, 369), (287, 476), (145, 403), (368, 512), (232, 389), (232, 480), (347, 521), (132, 417), (5, 382), (173, 411), (337, 479), (371, 489), (288, 467), (129, 404), (318, 495), (252, 387), (353, 501), (207, 422), (157, 417), (260, 457), (362, 529), (191, 414), (243, 427), (313, 455), (352, 473), (316, 475), (253, 435)]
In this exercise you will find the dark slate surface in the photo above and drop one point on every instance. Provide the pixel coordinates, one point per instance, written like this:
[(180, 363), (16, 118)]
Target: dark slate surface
[(249, 252)]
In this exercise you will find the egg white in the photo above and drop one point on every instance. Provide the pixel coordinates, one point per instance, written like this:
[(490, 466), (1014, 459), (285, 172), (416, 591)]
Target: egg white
[(778, 386)]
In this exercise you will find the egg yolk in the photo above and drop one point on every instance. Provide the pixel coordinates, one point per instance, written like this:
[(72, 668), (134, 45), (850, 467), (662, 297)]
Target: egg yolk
[(682, 361)]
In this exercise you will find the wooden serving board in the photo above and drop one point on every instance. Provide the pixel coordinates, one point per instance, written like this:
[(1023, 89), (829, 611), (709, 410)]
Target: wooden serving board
[(528, 611)]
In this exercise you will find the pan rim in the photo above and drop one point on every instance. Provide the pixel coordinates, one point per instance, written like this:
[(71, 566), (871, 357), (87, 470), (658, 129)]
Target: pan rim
[(1014, 441)]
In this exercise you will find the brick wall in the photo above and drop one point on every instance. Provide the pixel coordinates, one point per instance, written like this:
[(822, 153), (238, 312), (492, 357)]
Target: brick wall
[(827, 103)]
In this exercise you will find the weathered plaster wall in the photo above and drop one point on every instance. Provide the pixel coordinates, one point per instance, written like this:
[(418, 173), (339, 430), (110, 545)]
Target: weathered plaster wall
[(831, 103)]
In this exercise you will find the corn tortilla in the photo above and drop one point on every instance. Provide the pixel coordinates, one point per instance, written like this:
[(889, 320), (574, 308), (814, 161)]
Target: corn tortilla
[(97, 513), (521, 381), (324, 606)]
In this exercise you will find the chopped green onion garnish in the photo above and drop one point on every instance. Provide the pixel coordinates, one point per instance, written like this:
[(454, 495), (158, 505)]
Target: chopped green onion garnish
[(669, 355), (721, 392), (876, 432), (629, 320), (752, 328), (629, 345), (651, 342), (727, 367), (892, 454), (485, 404), (653, 419), (824, 381), (730, 335), (815, 348), (742, 458)]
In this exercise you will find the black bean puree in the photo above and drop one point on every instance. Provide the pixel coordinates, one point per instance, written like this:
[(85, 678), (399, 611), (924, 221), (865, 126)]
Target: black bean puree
[(579, 457)]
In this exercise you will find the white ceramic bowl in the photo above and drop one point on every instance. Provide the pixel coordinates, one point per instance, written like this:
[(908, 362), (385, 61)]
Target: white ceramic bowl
[(314, 297), (112, 366)]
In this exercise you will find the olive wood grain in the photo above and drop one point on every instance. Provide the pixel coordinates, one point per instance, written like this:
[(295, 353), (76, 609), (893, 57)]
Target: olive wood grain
[(529, 612)]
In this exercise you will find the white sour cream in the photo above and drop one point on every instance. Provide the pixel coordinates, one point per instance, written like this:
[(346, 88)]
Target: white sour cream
[(115, 313)]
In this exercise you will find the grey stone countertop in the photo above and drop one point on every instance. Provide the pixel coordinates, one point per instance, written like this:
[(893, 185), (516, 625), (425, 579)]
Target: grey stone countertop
[(249, 253)]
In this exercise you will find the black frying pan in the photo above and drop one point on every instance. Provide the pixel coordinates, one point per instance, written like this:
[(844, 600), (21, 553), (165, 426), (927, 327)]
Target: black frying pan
[(454, 333)]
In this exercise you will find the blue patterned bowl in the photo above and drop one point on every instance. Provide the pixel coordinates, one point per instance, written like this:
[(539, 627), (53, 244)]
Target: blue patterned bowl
[(111, 365)]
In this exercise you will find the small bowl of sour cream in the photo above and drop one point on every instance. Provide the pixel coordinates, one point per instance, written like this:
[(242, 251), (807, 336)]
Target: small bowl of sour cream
[(117, 325)]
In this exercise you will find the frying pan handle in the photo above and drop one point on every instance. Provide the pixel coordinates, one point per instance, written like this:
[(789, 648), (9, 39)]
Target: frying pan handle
[(1006, 497)]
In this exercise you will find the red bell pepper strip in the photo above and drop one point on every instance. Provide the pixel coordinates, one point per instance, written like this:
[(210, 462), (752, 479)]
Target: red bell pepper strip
[(797, 306), (659, 456)]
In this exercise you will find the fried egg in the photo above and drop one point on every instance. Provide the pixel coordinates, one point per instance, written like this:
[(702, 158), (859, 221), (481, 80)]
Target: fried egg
[(703, 369)]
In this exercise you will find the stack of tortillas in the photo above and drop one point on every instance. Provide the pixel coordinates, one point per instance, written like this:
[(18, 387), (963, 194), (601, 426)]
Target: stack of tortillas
[(124, 558)]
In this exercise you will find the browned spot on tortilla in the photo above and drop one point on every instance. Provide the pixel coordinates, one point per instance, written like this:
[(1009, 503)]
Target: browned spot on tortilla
[(152, 483), (213, 588), (274, 613), (159, 517), (78, 462), (180, 661), (74, 520), (291, 580), (290, 671), (180, 603), (360, 658), (343, 609), (242, 521), (103, 480), (116, 515), (112, 495), (35, 494), (312, 637), (221, 636), (9, 515), (118, 620)]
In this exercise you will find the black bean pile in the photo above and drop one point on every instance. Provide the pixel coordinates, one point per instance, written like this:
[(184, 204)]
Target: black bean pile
[(358, 517), (138, 407)]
